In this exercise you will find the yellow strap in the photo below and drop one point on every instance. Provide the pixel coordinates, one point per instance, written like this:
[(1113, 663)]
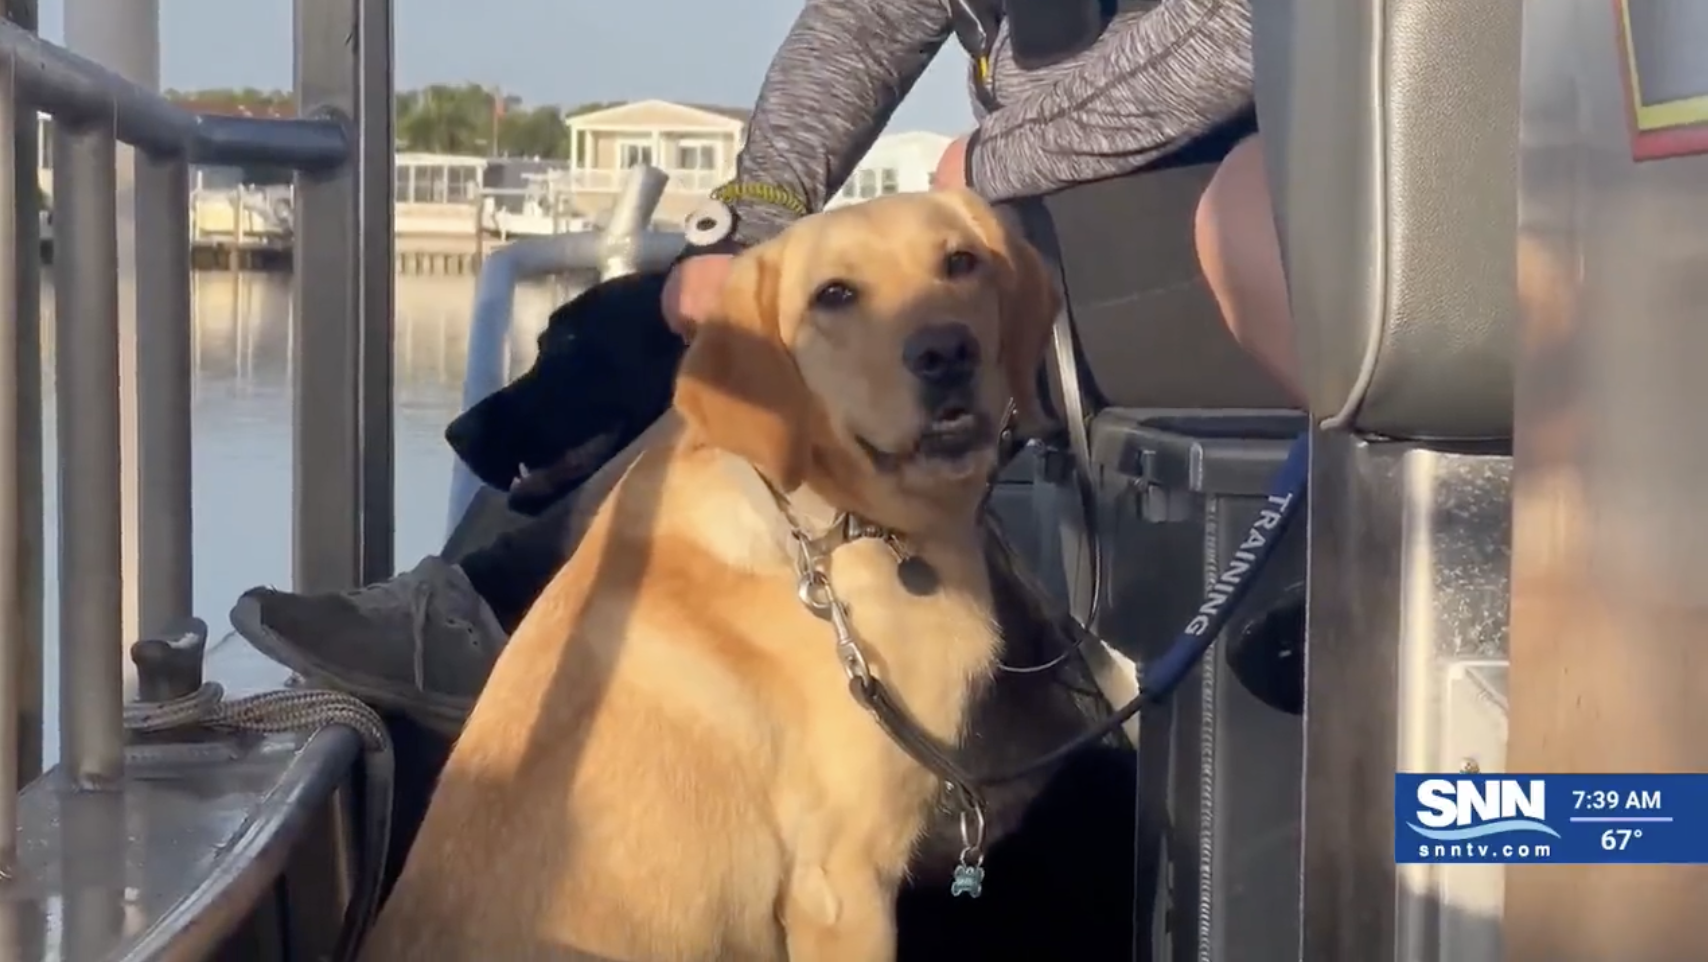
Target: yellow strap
[(762, 193)]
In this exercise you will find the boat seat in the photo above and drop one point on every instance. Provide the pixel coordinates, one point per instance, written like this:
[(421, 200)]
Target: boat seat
[(1391, 139), (1148, 331)]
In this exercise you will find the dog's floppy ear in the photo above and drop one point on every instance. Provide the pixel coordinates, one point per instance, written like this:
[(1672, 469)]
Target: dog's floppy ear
[(1029, 301), (739, 387)]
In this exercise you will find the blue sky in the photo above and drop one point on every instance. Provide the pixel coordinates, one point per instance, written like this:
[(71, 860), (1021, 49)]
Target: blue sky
[(545, 51)]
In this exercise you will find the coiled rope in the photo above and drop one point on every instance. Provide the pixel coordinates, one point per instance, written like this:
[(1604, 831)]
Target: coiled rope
[(299, 710)]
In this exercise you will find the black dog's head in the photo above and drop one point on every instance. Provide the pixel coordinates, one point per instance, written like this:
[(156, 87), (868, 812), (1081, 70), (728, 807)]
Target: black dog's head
[(606, 365)]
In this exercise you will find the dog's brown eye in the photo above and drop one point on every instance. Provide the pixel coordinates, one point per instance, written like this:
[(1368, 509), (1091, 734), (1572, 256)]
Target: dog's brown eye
[(834, 294), (960, 263)]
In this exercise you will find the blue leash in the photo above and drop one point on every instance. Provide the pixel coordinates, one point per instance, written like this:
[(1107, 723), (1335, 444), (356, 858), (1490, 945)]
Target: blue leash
[(1159, 679), (1222, 598)]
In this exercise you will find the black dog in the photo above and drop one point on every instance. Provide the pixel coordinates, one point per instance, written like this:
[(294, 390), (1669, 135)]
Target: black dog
[(1061, 887), (606, 366)]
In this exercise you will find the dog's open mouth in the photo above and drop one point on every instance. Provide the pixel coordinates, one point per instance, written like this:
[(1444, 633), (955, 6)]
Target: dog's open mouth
[(951, 438)]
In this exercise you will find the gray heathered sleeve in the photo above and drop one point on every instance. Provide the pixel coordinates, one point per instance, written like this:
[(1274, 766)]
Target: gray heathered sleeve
[(835, 81), (1154, 81)]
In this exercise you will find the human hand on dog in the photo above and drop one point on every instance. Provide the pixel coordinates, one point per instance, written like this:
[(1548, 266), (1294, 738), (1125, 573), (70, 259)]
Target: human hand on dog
[(692, 291)]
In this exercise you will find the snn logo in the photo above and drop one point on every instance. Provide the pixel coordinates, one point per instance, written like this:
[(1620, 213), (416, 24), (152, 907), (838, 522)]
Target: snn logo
[(1466, 808), (1466, 801)]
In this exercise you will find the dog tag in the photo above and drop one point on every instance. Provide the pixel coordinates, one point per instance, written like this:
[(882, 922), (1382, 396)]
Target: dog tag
[(968, 881), (917, 576)]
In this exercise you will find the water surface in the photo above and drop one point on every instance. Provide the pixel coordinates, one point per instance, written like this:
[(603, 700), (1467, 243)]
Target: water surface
[(242, 431)]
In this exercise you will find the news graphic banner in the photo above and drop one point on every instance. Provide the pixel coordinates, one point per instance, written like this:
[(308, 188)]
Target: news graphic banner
[(1461, 819)]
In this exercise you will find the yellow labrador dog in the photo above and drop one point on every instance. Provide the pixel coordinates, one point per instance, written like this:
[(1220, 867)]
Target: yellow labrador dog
[(667, 764)]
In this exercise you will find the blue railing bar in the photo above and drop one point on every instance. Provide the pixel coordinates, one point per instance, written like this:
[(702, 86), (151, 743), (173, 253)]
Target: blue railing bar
[(303, 143), (79, 91), (622, 248)]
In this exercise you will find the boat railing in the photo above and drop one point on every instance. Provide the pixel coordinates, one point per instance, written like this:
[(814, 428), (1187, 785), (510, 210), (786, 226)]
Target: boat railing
[(623, 247), (169, 846)]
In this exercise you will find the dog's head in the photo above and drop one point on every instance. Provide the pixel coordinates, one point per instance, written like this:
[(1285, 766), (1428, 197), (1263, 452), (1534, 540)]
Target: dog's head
[(872, 352), (604, 371)]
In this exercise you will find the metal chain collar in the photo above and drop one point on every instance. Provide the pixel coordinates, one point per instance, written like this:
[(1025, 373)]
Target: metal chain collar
[(818, 596)]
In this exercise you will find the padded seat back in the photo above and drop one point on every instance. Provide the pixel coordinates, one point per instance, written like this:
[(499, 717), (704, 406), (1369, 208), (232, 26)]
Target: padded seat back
[(1391, 132), (1149, 333)]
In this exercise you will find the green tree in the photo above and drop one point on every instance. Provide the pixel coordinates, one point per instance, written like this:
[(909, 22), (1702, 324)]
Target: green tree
[(448, 119), (535, 132), (246, 100)]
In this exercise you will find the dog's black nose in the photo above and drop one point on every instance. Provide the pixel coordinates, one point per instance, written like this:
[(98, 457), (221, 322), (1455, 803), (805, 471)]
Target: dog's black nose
[(942, 355)]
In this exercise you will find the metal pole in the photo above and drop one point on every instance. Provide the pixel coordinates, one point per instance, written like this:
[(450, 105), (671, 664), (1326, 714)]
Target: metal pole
[(124, 38), (374, 162), (86, 353), (23, 504), (164, 374), (619, 248), (326, 539), (80, 89), (12, 542)]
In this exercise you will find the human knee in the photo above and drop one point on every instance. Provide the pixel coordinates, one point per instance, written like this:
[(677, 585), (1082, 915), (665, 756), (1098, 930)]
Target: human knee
[(1240, 256), (1228, 254)]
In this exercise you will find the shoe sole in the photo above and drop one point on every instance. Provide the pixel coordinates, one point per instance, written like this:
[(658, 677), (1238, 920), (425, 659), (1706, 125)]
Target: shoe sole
[(433, 712)]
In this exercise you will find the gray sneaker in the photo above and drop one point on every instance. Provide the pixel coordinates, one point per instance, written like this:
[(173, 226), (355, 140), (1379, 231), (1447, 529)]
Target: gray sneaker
[(421, 644)]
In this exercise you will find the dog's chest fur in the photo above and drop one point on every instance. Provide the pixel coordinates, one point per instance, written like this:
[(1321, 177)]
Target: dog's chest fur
[(697, 760), (934, 651)]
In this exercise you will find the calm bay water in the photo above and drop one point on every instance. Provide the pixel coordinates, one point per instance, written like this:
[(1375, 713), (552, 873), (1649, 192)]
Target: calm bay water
[(242, 431)]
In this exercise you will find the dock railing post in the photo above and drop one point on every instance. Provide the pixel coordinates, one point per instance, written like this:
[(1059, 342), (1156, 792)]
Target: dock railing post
[(86, 354), (103, 473), (326, 485), (153, 318), (22, 529), (162, 390), (373, 164), (342, 524), (11, 536), (12, 542)]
